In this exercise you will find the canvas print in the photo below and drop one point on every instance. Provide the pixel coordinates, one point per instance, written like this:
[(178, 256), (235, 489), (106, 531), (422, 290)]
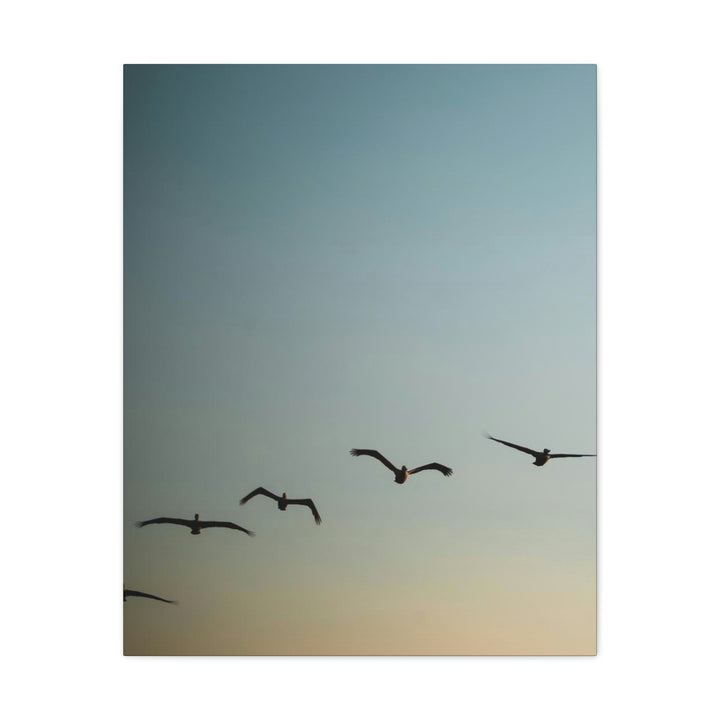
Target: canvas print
[(359, 360)]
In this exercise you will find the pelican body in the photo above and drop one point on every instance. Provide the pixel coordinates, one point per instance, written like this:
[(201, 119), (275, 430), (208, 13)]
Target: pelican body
[(196, 526), (401, 475)]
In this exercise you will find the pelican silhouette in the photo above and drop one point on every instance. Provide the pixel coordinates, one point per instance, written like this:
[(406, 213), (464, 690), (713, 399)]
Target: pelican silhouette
[(402, 474), (137, 593), (195, 525), (284, 501), (540, 457)]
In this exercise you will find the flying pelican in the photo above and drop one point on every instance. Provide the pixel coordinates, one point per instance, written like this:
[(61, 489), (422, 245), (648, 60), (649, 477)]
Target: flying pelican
[(540, 457), (402, 474), (284, 501), (195, 525), (137, 593)]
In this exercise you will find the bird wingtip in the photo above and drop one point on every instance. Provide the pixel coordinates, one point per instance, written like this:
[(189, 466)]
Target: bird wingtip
[(138, 523)]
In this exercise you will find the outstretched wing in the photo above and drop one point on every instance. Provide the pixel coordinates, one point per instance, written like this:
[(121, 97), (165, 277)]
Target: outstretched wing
[(517, 447), (557, 455), (137, 593), (232, 526), (374, 453), (259, 491), (311, 505), (174, 521), (446, 471)]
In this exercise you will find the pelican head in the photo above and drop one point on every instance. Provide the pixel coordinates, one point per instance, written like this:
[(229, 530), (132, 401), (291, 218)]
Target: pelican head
[(197, 516), (546, 451), (404, 468)]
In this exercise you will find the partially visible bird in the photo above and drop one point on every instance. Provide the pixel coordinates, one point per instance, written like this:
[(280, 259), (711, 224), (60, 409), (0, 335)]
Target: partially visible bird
[(284, 501), (540, 457), (195, 525), (137, 593), (402, 474)]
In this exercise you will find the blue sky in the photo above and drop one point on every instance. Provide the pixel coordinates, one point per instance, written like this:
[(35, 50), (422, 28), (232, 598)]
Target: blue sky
[(326, 257)]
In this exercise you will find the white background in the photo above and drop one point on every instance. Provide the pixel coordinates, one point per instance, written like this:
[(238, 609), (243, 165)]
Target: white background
[(61, 305)]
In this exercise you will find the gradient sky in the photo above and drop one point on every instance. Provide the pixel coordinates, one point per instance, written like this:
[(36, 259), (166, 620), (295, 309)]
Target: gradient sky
[(393, 257)]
